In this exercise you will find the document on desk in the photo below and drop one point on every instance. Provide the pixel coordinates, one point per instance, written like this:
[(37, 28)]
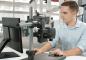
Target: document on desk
[(75, 58)]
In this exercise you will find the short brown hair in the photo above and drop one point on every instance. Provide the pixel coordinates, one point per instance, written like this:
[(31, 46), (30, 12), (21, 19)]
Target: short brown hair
[(72, 5)]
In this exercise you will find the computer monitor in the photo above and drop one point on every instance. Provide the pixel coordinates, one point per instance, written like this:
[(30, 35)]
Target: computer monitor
[(12, 36)]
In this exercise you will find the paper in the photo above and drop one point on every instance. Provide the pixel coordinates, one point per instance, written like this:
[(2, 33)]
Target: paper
[(76, 58)]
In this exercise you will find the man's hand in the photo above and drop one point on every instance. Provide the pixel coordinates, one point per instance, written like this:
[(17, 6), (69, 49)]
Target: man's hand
[(57, 52), (43, 49), (38, 51), (71, 52)]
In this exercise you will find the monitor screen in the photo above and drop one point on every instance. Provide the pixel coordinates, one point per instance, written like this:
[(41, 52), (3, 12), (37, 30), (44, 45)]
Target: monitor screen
[(12, 31)]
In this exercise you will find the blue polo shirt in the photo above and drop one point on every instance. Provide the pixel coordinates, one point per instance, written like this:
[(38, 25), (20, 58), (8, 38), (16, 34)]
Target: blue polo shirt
[(70, 37)]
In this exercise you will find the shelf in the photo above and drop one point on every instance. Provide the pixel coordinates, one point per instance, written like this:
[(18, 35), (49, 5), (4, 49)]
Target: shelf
[(20, 3), (16, 3), (23, 12), (18, 12)]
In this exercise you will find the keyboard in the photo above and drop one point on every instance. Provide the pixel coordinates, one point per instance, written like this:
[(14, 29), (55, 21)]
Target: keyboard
[(8, 55)]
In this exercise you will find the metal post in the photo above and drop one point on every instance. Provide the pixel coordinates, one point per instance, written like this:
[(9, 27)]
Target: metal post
[(30, 29), (30, 38), (41, 6), (48, 6), (13, 7)]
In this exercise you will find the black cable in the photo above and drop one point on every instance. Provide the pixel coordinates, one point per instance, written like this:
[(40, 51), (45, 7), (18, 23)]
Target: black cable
[(31, 1)]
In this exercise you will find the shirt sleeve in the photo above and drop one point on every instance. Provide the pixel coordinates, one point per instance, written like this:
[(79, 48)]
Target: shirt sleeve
[(82, 43)]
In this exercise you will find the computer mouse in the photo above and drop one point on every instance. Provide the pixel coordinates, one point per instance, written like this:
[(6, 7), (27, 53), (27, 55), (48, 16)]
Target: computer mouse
[(59, 57), (54, 55)]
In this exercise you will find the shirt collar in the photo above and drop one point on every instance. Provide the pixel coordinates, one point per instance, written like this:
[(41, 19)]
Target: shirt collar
[(76, 26)]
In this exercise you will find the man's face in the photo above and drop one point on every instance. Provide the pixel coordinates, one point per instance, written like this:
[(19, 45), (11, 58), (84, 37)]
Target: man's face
[(66, 14)]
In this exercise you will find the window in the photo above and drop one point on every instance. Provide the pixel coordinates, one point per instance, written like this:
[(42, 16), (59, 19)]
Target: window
[(20, 8)]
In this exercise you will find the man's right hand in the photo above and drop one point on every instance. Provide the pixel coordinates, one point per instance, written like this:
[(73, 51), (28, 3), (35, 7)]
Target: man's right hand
[(43, 49)]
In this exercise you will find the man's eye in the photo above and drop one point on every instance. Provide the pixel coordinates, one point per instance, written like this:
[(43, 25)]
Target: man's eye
[(64, 12)]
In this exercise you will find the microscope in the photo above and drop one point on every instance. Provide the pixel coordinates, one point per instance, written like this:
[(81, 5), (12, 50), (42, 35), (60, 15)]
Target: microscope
[(42, 33)]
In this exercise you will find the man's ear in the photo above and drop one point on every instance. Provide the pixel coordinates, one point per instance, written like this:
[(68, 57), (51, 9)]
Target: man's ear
[(75, 13)]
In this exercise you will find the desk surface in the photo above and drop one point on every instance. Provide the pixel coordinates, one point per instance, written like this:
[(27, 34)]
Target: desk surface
[(45, 56), (23, 55)]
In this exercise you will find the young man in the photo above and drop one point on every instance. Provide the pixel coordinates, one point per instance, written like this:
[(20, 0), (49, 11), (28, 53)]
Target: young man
[(72, 34)]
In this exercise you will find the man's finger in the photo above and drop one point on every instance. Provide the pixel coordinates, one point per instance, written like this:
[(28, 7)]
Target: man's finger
[(37, 53), (58, 52)]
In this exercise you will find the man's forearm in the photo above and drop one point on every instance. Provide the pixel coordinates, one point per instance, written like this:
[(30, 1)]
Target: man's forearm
[(46, 47), (72, 52)]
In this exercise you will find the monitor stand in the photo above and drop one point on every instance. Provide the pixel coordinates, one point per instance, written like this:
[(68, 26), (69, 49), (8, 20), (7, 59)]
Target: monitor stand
[(6, 54)]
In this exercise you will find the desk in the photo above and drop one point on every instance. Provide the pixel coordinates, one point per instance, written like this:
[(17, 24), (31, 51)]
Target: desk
[(23, 55), (45, 56)]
